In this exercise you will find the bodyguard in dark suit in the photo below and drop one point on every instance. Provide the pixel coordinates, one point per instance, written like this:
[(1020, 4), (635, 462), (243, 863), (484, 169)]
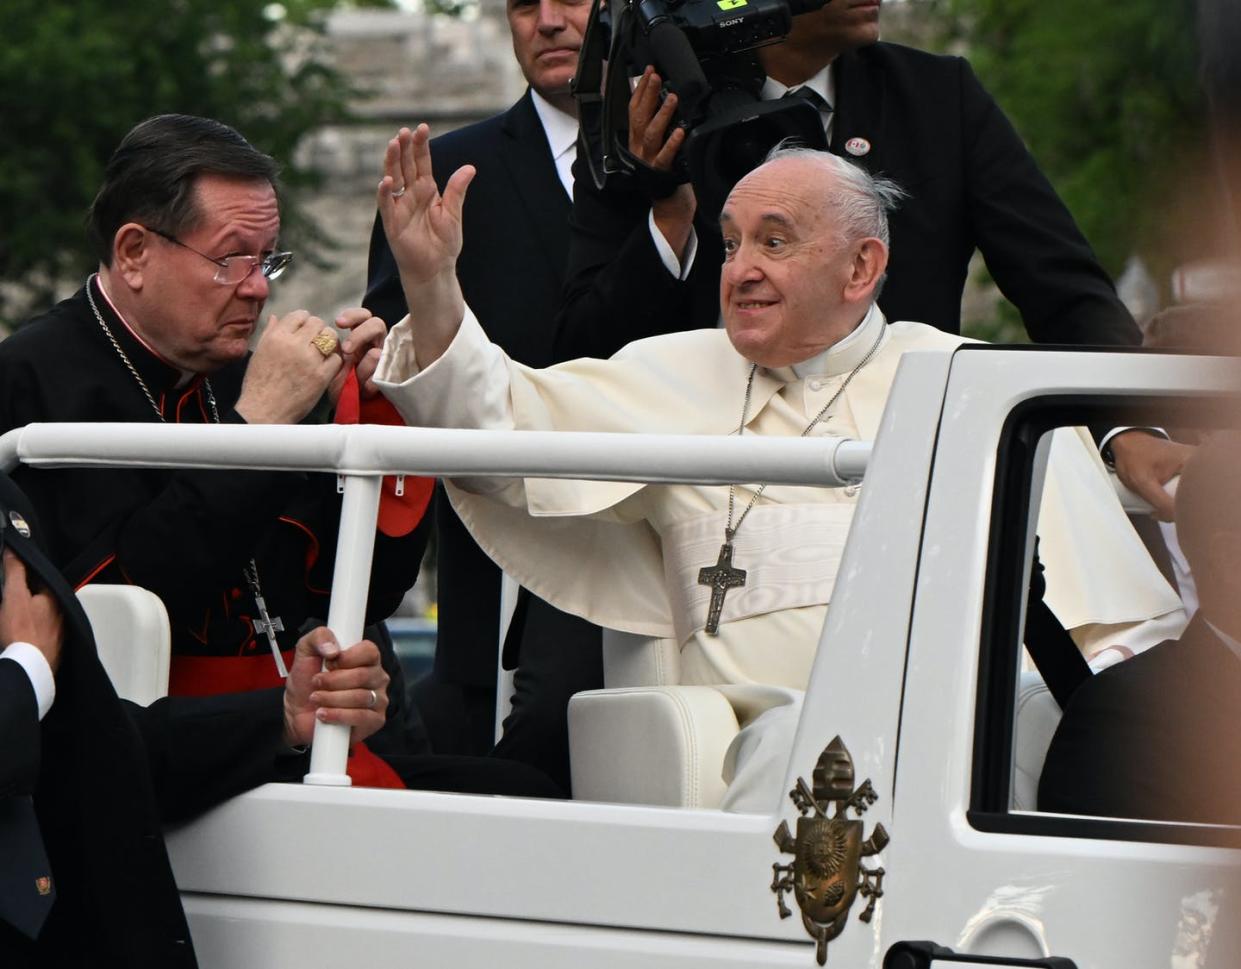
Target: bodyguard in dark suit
[(1156, 736), (511, 271), (84, 876)]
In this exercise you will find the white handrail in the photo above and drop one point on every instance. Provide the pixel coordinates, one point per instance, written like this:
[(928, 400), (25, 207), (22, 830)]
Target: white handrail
[(370, 450), (361, 453)]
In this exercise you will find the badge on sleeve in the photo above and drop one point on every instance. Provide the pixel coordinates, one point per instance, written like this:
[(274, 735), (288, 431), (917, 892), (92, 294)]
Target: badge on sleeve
[(857, 147), (19, 523)]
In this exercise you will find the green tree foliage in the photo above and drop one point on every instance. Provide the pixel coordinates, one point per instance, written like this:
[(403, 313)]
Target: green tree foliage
[(1108, 99), (74, 77)]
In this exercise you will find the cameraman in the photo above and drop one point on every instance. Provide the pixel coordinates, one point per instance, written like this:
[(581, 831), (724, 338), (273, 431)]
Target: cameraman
[(640, 266)]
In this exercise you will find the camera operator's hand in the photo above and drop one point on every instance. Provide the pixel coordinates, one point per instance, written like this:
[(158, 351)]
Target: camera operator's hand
[(652, 144), (424, 233), (649, 138)]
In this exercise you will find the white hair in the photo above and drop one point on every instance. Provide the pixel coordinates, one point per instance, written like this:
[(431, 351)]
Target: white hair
[(859, 201)]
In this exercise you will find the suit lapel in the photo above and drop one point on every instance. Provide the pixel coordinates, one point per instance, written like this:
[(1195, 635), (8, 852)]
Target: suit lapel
[(527, 158), (859, 109)]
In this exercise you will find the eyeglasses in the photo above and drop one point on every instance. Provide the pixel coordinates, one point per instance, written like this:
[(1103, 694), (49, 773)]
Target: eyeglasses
[(231, 270)]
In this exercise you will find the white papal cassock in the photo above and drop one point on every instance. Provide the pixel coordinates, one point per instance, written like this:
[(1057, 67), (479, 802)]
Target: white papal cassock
[(626, 556)]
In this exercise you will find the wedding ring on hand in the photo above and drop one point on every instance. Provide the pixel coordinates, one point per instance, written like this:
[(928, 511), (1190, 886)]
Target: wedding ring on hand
[(397, 193), (326, 342), (374, 700)]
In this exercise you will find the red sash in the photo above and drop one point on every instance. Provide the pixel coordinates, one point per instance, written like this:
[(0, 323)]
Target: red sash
[(209, 675)]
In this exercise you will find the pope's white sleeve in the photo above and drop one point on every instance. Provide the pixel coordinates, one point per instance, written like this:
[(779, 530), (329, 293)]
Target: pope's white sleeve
[(468, 386)]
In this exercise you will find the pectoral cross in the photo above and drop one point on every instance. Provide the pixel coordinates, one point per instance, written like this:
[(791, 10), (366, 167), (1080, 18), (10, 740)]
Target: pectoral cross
[(720, 577), (268, 626)]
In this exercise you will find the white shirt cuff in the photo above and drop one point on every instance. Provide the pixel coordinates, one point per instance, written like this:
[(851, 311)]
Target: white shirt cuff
[(1157, 431), (667, 256), (32, 660)]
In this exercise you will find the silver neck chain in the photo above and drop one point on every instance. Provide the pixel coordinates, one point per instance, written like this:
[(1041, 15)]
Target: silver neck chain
[(730, 529), (133, 371), (251, 571)]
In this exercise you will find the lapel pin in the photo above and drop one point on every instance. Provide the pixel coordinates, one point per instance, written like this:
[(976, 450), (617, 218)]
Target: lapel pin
[(857, 147), (19, 523)]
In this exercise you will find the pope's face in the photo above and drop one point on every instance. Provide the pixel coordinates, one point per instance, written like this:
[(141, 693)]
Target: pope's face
[(782, 288), (547, 35), (190, 319)]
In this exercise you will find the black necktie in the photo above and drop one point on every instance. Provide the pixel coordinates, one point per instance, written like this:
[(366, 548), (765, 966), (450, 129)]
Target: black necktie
[(811, 95), (26, 890)]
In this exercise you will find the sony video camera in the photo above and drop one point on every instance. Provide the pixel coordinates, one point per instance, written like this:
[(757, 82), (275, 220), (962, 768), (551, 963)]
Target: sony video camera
[(701, 50)]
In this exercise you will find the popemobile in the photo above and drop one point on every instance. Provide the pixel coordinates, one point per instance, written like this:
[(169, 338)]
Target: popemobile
[(906, 833)]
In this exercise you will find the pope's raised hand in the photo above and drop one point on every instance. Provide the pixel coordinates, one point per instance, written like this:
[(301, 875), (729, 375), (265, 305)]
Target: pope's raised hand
[(423, 227), (424, 233)]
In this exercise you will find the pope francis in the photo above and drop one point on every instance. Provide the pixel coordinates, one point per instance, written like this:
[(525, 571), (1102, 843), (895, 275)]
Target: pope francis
[(740, 577)]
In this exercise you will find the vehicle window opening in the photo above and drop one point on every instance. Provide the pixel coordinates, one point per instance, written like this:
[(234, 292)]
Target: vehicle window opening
[(1010, 729)]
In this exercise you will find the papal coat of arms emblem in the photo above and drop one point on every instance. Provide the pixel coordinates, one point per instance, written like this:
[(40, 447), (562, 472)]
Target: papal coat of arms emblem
[(827, 874)]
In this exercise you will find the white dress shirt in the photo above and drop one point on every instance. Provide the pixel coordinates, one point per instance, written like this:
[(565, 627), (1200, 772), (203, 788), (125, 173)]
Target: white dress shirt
[(561, 131)]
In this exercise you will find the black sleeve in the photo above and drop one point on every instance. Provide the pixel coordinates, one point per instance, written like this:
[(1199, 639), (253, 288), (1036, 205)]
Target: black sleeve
[(188, 542), (1032, 247), (19, 728), (204, 750), (182, 534), (617, 289), (192, 539), (384, 296)]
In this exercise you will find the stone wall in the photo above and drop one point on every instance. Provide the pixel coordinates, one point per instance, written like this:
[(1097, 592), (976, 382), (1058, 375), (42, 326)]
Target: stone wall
[(443, 70)]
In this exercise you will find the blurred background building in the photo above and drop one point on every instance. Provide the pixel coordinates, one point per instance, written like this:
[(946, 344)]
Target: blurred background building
[(1108, 97)]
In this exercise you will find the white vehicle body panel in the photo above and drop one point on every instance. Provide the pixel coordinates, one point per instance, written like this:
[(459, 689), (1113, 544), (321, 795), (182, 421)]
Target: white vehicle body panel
[(1103, 903)]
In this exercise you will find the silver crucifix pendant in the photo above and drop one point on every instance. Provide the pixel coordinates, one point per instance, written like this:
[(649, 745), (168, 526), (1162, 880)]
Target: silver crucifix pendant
[(720, 577), (268, 626)]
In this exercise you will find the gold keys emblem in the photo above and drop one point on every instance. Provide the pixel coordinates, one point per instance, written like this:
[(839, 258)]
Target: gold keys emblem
[(827, 874)]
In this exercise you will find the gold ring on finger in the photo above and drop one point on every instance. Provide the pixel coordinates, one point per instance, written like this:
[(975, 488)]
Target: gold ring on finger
[(326, 342)]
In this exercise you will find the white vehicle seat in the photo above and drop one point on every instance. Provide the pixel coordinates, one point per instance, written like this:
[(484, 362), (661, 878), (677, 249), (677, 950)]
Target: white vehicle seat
[(1038, 714), (646, 739), (133, 636)]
